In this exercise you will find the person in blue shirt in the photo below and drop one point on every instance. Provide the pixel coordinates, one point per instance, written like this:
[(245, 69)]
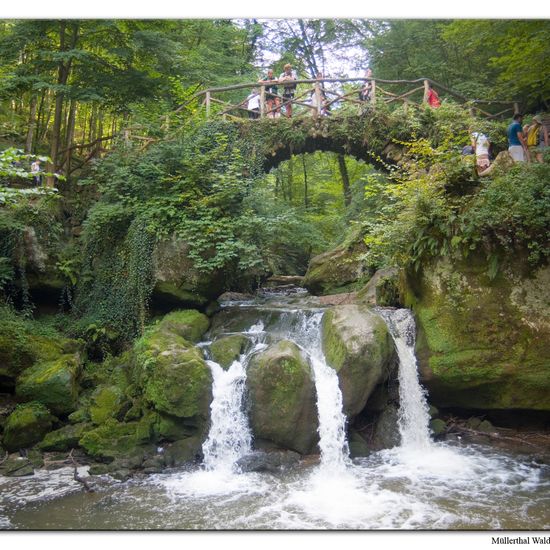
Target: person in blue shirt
[(517, 144)]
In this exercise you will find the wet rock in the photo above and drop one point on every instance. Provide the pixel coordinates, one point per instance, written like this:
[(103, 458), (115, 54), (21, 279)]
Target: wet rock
[(183, 452), (382, 289), (63, 439), (172, 372), (386, 432), (225, 350), (358, 447), (282, 398), (26, 425), (16, 466), (357, 344), (273, 461), (438, 427), (53, 383)]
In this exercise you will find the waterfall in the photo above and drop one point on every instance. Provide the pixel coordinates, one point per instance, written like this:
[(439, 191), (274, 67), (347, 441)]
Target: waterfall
[(332, 421), (230, 437), (414, 415)]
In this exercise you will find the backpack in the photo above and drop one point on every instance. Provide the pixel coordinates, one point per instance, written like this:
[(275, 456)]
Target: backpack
[(533, 135)]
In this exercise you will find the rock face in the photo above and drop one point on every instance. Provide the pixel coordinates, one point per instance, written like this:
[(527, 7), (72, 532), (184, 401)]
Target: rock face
[(26, 425), (178, 283), (172, 372), (357, 344), (225, 350), (53, 383), (282, 398), (273, 461), (482, 343), (337, 270)]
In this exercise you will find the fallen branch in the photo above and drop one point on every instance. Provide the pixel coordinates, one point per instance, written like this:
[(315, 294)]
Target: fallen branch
[(76, 476)]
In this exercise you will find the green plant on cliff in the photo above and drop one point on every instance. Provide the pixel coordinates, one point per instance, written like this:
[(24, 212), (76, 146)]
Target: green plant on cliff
[(434, 205)]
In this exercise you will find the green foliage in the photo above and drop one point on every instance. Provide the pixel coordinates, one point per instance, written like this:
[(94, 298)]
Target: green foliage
[(434, 205)]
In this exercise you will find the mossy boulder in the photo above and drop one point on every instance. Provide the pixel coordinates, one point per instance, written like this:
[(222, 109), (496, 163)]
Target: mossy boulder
[(53, 383), (21, 347), (171, 428), (16, 466), (187, 323), (117, 439), (172, 373), (183, 451), (282, 398), (177, 282), (26, 425), (357, 344), (64, 439), (338, 270), (483, 343), (382, 290), (225, 350), (106, 402)]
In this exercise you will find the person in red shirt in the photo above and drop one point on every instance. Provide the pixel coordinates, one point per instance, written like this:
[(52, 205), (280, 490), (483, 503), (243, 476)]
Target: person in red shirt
[(433, 98)]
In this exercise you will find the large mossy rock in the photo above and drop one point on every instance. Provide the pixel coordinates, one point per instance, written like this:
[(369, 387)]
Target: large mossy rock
[(227, 349), (53, 383), (118, 439), (64, 439), (26, 425), (282, 398), (338, 270), (172, 373), (21, 347), (107, 402), (483, 343), (357, 344), (178, 282)]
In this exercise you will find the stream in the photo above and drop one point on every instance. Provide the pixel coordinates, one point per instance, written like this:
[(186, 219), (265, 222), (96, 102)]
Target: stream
[(418, 485)]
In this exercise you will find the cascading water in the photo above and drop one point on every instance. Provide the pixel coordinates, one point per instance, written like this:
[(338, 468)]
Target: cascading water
[(230, 437), (414, 415), (306, 332)]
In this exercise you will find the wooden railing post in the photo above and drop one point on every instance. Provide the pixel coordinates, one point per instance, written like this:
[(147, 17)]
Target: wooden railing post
[(318, 98), (516, 107), (262, 101), (373, 92), (207, 104), (426, 90)]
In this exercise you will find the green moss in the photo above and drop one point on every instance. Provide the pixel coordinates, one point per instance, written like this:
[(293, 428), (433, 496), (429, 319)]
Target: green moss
[(188, 323), (106, 403), (225, 350), (179, 383), (171, 293), (475, 348), (117, 439), (26, 425), (53, 383), (63, 439)]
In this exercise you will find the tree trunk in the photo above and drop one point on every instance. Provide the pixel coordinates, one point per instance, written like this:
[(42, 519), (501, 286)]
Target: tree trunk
[(70, 137), (305, 181), (64, 70), (345, 179), (32, 125)]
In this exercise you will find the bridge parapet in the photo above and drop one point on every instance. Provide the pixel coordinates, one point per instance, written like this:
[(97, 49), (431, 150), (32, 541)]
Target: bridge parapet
[(318, 97)]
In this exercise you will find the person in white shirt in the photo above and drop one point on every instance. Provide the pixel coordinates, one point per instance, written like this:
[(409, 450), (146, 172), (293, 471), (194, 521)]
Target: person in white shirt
[(253, 104), (35, 171), (481, 144)]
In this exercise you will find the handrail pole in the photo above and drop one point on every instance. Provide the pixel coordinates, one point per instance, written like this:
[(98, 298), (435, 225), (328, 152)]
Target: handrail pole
[(262, 101), (207, 103), (373, 92), (426, 90), (318, 97)]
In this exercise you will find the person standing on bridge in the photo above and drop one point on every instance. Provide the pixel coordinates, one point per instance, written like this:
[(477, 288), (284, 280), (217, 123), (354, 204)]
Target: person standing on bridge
[(287, 77), (366, 90), (271, 97), (517, 144)]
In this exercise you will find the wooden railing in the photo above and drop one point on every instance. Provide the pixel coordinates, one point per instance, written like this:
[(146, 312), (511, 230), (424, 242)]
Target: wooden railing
[(316, 97)]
